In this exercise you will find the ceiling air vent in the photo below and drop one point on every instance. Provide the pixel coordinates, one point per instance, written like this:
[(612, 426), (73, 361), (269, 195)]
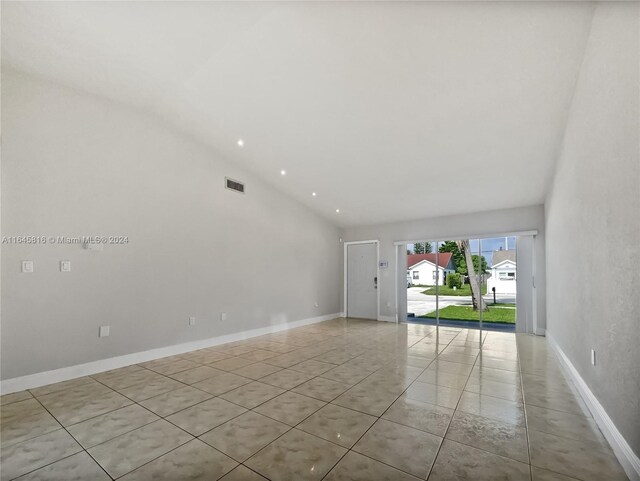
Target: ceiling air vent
[(234, 185)]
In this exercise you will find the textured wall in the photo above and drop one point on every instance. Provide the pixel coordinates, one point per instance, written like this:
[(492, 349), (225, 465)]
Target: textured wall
[(593, 221), (75, 164)]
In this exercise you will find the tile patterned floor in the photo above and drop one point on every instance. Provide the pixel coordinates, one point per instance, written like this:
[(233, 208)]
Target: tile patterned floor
[(340, 400)]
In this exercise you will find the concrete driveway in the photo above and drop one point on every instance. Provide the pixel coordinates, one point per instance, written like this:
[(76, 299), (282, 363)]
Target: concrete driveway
[(419, 303)]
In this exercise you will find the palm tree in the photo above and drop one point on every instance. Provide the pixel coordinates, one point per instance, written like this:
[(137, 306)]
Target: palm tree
[(476, 292)]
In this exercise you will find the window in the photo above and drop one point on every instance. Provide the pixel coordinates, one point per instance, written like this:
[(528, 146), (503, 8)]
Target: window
[(416, 275), (507, 276)]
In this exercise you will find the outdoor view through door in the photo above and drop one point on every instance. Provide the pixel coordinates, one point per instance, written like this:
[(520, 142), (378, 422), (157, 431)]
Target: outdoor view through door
[(463, 282)]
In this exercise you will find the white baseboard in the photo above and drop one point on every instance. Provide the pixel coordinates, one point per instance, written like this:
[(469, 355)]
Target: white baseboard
[(387, 318), (31, 381), (540, 332), (628, 459)]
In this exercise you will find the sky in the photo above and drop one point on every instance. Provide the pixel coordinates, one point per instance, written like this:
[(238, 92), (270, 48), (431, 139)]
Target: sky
[(487, 246)]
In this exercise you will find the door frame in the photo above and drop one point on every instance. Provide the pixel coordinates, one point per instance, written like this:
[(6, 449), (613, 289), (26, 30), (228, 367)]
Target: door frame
[(344, 279)]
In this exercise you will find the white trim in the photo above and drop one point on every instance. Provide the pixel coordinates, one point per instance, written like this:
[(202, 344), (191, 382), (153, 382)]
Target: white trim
[(64, 374), (534, 290), (397, 317), (628, 459), (495, 266), (344, 278), (387, 318), (428, 262), (484, 236)]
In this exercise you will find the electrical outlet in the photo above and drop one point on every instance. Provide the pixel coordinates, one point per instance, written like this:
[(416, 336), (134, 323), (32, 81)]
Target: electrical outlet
[(65, 266), (593, 357), (192, 320), (27, 267), (104, 331), (223, 316)]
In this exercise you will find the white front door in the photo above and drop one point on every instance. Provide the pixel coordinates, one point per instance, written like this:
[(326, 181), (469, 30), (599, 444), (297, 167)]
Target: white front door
[(362, 271)]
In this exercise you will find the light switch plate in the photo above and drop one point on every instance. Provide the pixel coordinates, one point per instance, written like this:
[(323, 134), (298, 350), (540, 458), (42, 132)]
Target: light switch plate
[(593, 357), (104, 331), (27, 267), (65, 266), (192, 320), (223, 316)]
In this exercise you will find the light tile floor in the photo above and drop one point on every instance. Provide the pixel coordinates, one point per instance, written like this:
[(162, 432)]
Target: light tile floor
[(341, 400)]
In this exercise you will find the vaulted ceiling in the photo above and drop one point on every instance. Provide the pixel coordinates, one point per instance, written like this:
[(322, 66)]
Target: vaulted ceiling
[(388, 111)]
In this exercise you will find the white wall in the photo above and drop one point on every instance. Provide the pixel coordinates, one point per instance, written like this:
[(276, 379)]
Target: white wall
[(503, 286), (426, 272), (75, 164), (593, 221), (450, 227)]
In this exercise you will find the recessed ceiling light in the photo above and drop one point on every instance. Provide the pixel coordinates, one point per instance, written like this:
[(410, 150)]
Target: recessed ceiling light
[(240, 143), (313, 194), (337, 211), (283, 172)]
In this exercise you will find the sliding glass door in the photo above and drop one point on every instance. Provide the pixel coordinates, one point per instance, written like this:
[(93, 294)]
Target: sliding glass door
[(463, 282)]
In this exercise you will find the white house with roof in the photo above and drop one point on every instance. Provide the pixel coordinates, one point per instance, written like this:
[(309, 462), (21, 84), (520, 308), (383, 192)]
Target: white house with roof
[(421, 268), (503, 272)]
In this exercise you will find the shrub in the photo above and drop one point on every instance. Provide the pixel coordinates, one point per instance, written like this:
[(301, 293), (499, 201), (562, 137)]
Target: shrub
[(454, 280)]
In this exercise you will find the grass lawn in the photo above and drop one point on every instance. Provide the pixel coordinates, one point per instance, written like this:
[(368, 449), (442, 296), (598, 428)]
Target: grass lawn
[(465, 290), (466, 313)]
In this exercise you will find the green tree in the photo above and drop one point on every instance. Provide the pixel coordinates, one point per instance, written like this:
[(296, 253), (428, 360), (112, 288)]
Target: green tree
[(479, 263), (459, 260), (422, 247), (458, 256)]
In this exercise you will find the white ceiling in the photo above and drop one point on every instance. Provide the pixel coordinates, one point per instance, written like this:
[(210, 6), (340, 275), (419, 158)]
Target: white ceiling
[(389, 111)]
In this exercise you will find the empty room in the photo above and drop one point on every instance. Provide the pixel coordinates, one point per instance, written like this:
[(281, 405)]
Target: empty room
[(320, 240)]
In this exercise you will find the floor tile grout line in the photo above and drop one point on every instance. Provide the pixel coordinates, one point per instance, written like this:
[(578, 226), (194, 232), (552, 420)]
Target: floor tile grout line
[(386, 348), (385, 411), (128, 432), (326, 403), (294, 427), (193, 436), (374, 423), (486, 417), (74, 439), (160, 418), (435, 459), (524, 408), (381, 416), (121, 434)]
